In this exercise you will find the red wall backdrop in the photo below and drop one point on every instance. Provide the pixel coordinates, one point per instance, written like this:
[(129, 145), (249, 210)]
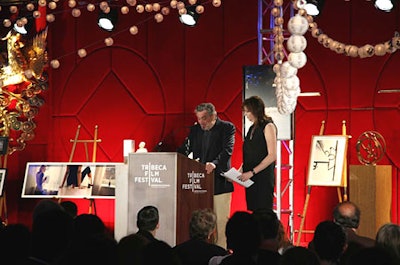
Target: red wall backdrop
[(145, 87)]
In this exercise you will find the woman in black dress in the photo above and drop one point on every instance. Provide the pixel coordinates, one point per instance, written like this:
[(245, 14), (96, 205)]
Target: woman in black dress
[(259, 155)]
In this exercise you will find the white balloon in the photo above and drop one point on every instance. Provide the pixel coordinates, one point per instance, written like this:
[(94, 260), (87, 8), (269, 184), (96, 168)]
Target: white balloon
[(296, 43), (297, 59), (287, 70), (291, 82), (292, 93), (298, 25)]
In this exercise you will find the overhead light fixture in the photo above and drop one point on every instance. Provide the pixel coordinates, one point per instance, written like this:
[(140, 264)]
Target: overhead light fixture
[(191, 16), (313, 7), (108, 21), (384, 5)]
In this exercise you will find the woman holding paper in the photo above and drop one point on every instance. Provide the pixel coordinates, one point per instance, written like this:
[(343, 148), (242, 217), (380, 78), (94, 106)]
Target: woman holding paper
[(259, 155)]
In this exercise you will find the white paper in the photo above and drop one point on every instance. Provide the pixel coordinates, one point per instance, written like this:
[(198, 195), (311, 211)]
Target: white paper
[(233, 175)]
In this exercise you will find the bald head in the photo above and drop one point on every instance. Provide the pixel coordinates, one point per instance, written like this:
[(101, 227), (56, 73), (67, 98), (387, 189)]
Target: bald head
[(347, 214)]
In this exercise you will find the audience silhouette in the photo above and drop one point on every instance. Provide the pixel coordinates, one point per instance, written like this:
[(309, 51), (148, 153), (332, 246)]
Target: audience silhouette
[(200, 247), (130, 249), (243, 240), (52, 231), (14, 237), (371, 256), (388, 238), (58, 238), (148, 222), (268, 222), (159, 252), (298, 256), (329, 242), (70, 207), (347, 214)]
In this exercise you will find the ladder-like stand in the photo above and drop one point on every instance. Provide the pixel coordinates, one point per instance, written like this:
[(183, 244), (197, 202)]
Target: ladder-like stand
[(344, 186), (94, 141)]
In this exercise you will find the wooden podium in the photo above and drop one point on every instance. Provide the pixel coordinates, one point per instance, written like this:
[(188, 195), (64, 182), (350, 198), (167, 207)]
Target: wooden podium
[(172, 182), (371, 190)]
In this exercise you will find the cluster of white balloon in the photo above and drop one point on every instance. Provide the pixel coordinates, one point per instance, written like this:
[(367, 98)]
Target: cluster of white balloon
[(286, 81)]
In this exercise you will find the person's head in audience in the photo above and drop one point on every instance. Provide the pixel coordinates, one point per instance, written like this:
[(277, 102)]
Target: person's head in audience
[(242, 234), (88, 224), (70, 207), (99, 249), (129, 249), (299, 256), (52, 232), (388, 237), (268, 223), (329, 242), (159, 252), (202, 225), (148, 219), (347, 214), (44, 206)]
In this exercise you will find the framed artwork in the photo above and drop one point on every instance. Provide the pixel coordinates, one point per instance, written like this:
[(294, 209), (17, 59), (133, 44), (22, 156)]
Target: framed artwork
[(3, 175), (71, 180), (3, 145), (327, 160)]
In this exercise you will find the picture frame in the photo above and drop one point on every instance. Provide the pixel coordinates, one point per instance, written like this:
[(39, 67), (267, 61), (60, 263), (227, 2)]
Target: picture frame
[(3, 175), (327, 160), (3, 145), (53, 180)]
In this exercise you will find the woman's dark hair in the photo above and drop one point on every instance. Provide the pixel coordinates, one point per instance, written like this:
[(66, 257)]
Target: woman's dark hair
[(256, 106)]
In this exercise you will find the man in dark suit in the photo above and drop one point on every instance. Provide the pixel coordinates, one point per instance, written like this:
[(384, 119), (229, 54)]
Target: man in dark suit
[(211, 142)]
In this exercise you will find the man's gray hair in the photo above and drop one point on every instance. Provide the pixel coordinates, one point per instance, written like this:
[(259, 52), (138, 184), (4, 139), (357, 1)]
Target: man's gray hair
[(209, 107)]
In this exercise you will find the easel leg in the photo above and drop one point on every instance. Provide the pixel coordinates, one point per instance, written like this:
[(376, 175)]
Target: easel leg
[(3, 209), (303, 216), (92, 206), (339, 194), (74, 143)]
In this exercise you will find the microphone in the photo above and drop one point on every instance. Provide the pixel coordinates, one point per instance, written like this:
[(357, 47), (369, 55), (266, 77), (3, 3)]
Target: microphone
[(158, 147)]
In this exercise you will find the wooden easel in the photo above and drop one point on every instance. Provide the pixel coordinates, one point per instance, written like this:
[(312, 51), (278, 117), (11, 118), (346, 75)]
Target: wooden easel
[(344, 180), (3, 199), (92, 204)]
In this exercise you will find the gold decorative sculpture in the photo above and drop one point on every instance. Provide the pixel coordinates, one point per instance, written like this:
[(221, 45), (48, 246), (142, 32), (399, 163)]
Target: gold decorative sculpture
[(371, 147), (22, 79)]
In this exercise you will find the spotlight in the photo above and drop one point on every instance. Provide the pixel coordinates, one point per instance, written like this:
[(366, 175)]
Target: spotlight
[(108, 21), (384, 5), (314, 7), (191, 17)]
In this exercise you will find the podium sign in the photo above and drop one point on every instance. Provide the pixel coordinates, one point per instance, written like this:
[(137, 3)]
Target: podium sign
[(173, 183)]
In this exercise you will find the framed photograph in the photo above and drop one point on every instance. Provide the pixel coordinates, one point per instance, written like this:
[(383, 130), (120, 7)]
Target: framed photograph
[(70, 180), (3, 145), (327, 160), (3, 175)]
